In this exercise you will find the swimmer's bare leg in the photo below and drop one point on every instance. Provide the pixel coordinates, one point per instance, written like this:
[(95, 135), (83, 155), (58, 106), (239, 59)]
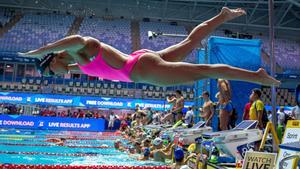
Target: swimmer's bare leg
[(156, 71), (178, 52)]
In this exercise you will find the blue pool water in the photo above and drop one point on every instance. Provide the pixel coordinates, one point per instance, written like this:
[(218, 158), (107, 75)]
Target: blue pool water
[(34, 141)]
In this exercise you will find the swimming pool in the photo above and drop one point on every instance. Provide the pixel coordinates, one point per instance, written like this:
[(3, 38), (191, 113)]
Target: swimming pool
[(82, 148)]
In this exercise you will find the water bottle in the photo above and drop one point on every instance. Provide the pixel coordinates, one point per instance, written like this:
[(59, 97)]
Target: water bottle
[(238, 160)]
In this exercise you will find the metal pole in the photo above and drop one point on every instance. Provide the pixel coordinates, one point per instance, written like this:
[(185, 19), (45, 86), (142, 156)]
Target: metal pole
[(174, 35), (273, 65)]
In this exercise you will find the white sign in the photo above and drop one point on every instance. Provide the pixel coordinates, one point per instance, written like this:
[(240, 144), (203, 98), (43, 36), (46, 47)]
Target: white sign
[(291, 134), (259, 160)]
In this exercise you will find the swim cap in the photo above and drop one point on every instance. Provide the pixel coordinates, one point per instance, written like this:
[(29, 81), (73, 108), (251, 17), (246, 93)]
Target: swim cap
[(166, 137), (198, 140), (146, 152), (118, 141), (192, 148), (104, 145), (165, 142), (131, 147), (157, 141), (179, 154), (185, 167), (42, 64)]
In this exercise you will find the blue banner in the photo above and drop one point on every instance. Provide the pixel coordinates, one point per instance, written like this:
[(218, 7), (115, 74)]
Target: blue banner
[(51, 123), (82, 101), (241, 53)]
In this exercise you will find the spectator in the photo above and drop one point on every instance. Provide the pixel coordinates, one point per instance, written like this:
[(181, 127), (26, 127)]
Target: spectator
[(189, 117), (149, 115), (177, 102), (124, 125), (111, 121), (180, 161), (247, 110), (89, 114), (296, 112), (257, 108), (207, 111), (160, 153), (80, 114), (146, 155), (281, 116), (270, 116), (225, 105), (156, 117), (96, 115), (296, 109), (179, 105)]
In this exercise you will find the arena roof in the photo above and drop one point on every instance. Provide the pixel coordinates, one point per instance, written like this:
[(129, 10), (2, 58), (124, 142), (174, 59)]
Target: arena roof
[(286, 12)]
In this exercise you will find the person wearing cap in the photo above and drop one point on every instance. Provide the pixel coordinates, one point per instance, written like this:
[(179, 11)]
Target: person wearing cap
[(131, 150), (180, 161), (160, 153), (166, 137), (195, 148), (157, 143), (117, 144), (167, 142)]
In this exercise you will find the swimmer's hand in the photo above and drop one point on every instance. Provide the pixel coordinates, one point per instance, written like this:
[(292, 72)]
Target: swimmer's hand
[(31, 54)]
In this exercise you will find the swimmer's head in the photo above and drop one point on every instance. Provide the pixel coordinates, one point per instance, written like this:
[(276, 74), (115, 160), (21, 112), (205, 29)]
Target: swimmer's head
[(157, 142), (53, 64), (63, 139), (298, 95), (117, 143), (165, 136), (146, 152), (179, 154), (131, 149), (165, 142)]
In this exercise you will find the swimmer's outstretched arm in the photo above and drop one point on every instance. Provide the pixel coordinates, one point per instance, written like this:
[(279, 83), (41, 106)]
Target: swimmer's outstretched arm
[(69, 44)]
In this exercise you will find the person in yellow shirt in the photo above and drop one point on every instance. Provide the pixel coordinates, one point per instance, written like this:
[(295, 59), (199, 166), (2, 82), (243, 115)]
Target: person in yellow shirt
[(256, 109)]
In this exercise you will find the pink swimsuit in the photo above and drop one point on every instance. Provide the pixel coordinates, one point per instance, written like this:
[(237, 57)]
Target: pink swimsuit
[(99, 68)]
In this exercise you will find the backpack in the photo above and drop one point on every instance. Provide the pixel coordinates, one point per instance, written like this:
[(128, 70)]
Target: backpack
[(264, 119), (233, 117)]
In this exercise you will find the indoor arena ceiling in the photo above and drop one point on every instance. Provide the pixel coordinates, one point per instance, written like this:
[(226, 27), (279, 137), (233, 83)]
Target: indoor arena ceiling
[(287, 12)]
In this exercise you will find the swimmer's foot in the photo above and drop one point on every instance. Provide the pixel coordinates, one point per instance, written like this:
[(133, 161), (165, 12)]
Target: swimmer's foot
[(265, 79), (230, 14)]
